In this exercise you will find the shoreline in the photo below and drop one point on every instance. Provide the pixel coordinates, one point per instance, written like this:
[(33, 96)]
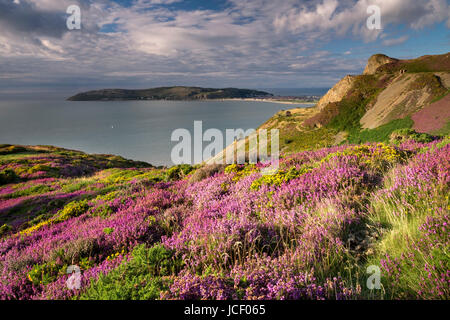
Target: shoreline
[(205, 100), (264, 100)]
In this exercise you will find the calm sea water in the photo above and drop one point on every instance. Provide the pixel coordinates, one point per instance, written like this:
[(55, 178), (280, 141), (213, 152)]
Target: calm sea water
[(139, 130)]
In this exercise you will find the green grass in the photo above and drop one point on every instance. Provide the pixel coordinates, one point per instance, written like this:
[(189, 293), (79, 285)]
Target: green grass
[(403, 214), (82, 183), (296, 141), (21, 155), (143, 277), (34, 190), (380, 134)]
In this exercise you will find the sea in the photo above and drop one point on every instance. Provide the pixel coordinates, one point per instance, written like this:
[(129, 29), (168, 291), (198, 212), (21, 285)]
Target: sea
[(138, 130)]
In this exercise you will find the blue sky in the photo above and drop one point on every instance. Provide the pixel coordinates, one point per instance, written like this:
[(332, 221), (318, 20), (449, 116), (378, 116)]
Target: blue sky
[(241, 43)]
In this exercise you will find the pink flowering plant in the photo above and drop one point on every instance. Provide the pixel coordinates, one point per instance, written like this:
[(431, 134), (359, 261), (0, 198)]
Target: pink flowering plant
[(194, 232)]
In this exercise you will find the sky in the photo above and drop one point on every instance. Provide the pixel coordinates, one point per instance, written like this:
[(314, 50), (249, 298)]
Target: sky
[(209, 43)]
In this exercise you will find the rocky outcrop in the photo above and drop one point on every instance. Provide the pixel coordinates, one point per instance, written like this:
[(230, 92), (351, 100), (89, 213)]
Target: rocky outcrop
[(376, 61), (338, 92)]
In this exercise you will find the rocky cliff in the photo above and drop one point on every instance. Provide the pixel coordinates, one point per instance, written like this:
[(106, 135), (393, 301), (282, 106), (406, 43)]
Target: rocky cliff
[(390, 95), (338, 92), (376, 61)]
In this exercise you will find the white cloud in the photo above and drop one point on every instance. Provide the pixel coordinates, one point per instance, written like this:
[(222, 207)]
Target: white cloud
[(331, 16), (394, 42), (247, 41)]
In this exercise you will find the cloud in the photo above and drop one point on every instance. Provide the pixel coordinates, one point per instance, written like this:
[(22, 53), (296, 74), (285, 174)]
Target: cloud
[(394, 42), (339, 18), (25, 18), (244, 43)]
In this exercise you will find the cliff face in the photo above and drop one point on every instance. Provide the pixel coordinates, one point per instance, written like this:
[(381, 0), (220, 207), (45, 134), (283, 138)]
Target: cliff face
[(389, 89), (391, 94), (376, 61), (404, 96), (338, 92), (343, 87)]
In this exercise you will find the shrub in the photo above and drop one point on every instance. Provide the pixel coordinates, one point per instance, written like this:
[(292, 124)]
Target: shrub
[(108, 231), (178, 172), (240, 171), (280, 177), (379, 157), (8, 176), (44, 273), (51, 171), (4, 229), (402, 135), (206, 172), (71, 210), (75, 251), (8, 149), (143, 277)]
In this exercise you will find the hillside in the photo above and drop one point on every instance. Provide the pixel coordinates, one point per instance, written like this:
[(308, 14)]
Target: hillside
[(168, 93), (215, 232), (391, 95)]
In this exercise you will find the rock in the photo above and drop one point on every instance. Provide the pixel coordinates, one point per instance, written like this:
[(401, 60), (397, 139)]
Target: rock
[(338, 92), (376, 61)]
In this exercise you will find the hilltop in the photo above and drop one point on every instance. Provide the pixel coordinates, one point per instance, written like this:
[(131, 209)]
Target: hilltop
[(389, 96), (169, 93)]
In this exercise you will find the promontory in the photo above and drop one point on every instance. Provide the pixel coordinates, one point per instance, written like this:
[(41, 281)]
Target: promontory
[(169, 93)]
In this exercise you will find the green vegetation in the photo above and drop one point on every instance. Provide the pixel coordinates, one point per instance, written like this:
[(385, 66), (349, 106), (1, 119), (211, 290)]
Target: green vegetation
[(142, 277), (4, 229), (45, 273), (402, 135), (432, 63), (71, 210), (178, 172), (352, 108), (409, 216), (8, 176), (432, 82), (282, 176), (380, 134), (33, 190)]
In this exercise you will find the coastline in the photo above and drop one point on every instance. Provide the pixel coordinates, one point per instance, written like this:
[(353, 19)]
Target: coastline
[(190, 100), (264, 100)]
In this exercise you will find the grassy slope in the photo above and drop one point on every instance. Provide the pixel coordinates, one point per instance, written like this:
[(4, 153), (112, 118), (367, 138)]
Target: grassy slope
[(390, 221)]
